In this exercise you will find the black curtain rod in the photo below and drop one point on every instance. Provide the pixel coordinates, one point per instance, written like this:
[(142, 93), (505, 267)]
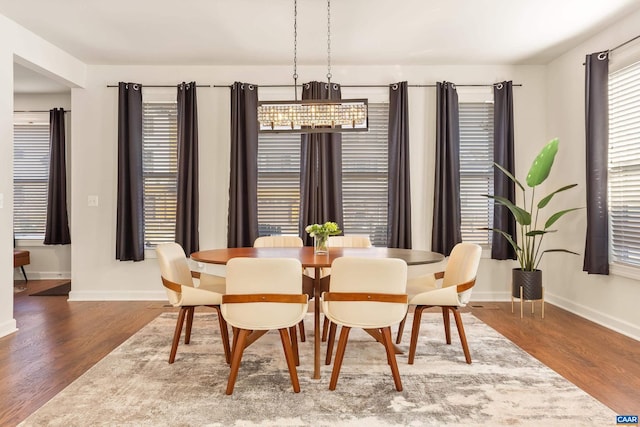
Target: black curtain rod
[(625, 43), (162, 85), (36, 111), (381, 86)]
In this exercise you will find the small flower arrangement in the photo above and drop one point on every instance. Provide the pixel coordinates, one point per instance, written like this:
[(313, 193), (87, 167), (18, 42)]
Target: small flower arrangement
[(323, 230), (321, 233)]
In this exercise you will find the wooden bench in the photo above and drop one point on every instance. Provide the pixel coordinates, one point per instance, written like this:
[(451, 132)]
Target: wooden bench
[(20, 259)]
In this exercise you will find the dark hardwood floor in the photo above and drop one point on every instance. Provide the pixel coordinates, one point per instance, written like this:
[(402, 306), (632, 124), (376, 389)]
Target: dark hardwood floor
[(59, 340)]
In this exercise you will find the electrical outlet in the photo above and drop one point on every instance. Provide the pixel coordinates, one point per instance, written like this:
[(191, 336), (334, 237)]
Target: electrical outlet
[(92, 201), (1, 200)]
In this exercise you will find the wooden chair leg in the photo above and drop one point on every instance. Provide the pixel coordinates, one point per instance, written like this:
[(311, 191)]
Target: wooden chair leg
[(236, 332), (176, 334), (330, 342), (224, 335), (463, 337), (325, 328), (289, 355), (236, 357), (337, 364), (294, 344), (401, 330), (187, 331), (415, 330), (391, 357), (447, 324), (303, 336)]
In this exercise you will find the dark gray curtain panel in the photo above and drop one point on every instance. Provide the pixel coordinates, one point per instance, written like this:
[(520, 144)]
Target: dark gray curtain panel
[(446, 231), (243, 181), (399, 214), (320, 168), (187, 204), (596, 250), (57, 224), (130, 203), (503, 154)]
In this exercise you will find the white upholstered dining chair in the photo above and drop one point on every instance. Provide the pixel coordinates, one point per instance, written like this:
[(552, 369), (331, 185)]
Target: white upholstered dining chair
[(179, 283), (454, 292), (263, 294), (279, 241), (346, 241), (366, 293)]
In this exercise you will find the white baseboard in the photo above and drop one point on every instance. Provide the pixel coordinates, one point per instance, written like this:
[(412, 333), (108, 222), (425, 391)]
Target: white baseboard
[(160, 295), (603, 319), (491, 296), (8, 327), (42, 275)]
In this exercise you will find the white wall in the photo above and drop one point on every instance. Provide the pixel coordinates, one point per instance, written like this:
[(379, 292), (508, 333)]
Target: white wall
[(29, 50), (96, 273), (610, 300), (47, 261)]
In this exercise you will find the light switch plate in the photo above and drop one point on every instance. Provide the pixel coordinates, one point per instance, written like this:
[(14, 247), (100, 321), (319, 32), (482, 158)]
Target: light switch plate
[(92, 201)]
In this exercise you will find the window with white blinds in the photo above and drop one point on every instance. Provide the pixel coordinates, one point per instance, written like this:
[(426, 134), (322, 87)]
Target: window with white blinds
[(278, 183), (365, 178), (476, 170), (160, 171), (624, 165), (30, 174)]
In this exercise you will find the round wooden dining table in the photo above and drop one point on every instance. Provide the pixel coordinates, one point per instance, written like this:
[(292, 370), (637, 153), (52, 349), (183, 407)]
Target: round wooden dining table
[(309, 259)]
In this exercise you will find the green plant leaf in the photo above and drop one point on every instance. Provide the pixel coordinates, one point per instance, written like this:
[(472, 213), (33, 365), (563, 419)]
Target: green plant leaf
[(539, 232), (508, 237), (543, 202), (511, 177), (556, 216), (561, 250), (522, 217), (541, 166)]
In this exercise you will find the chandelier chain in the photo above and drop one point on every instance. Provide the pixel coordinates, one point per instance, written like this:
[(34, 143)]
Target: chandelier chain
[(329, 44), (295, 48)]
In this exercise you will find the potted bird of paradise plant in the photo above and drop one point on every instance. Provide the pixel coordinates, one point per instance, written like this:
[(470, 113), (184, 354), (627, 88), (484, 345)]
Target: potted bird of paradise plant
[(532, 230)]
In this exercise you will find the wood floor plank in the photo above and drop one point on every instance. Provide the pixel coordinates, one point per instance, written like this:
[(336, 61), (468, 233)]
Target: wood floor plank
[(59, 340)]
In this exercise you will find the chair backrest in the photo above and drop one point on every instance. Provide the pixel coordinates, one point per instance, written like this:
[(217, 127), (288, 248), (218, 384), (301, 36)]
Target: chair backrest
[(278, 242), (246, 276), (462, 267), (367, 275), (174, 267), (349, 241)]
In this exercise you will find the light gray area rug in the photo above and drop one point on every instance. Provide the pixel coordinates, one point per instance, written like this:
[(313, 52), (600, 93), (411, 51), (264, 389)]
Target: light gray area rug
[(135, 386)]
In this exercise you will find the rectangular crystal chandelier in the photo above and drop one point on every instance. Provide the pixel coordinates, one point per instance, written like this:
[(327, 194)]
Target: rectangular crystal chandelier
[(314, 116)]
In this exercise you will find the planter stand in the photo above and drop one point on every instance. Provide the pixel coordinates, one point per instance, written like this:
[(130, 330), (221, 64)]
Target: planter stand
[(522, 301)]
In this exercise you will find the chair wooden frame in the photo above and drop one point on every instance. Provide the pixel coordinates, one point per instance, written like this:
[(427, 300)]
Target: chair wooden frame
[(417, 317), (188, 312), (384, 333), (242, 338)]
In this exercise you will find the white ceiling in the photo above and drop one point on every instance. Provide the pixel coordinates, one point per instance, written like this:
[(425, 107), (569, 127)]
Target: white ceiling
[(260, 32)]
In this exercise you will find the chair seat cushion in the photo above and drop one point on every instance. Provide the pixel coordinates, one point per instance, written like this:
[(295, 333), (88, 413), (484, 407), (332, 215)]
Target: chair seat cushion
[(211, 283), (417, 285)]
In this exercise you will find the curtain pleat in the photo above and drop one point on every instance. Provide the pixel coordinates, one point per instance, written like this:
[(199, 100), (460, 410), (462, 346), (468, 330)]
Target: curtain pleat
[(596, 250), (503, 154), (446, 232), (130, 212), (320, 169), (187, 204), (243, 180), (57, 222), (399, 172)]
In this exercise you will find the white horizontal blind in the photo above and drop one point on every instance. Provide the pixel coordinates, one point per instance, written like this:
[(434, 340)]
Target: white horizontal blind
[(624, 165), (278, 183), (365, 178), (476, 170), (30, 174), (160, 171)]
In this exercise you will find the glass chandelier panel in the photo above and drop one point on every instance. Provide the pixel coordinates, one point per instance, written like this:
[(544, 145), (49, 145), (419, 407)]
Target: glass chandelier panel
[(313, 115)]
